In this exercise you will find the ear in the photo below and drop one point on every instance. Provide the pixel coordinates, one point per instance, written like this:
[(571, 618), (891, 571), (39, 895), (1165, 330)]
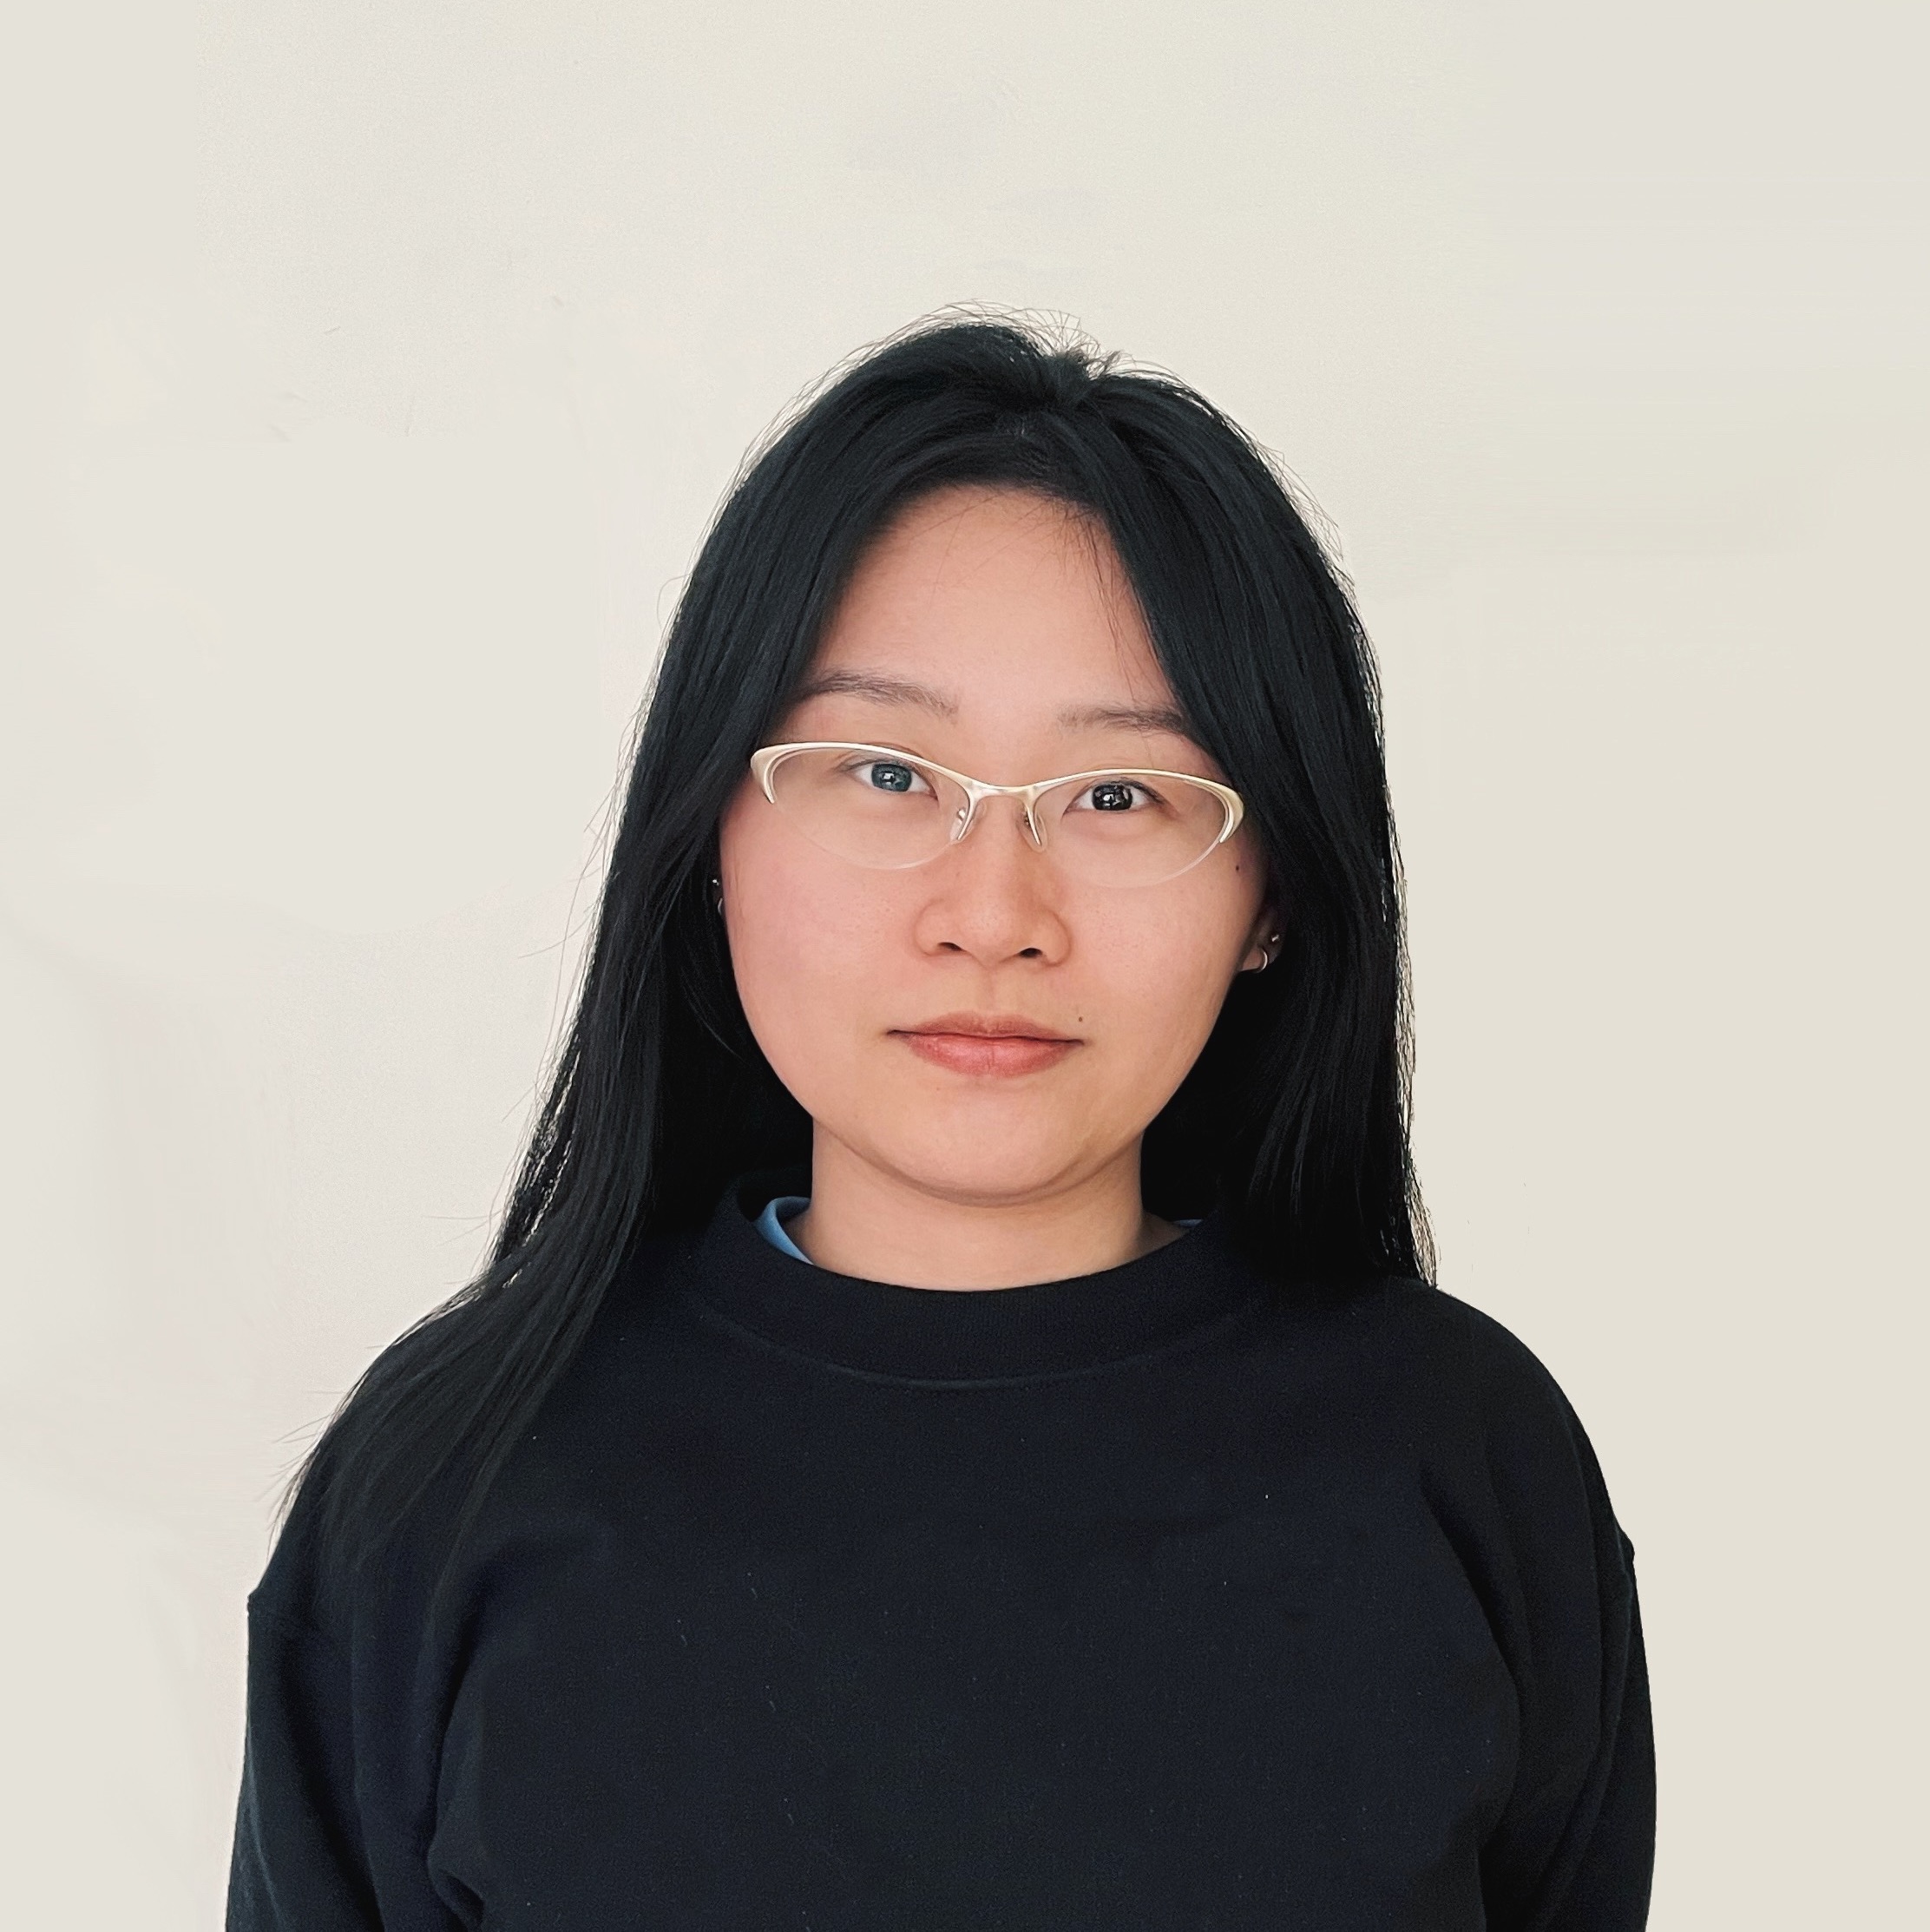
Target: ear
[(1263, 942)]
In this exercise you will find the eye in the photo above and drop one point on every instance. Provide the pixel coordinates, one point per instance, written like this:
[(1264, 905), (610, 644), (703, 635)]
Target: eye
[(886, 774), (1115, 795)]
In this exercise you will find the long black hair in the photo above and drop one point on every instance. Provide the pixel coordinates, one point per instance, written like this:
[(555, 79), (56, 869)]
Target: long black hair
[(1294, 1119)]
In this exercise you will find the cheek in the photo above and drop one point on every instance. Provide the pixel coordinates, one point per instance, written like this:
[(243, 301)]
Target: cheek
[(1164, 959), (1157, 987), (808, 950)]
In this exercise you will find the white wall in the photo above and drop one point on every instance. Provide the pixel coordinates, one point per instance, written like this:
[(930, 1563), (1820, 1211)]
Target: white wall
[(373, 373)]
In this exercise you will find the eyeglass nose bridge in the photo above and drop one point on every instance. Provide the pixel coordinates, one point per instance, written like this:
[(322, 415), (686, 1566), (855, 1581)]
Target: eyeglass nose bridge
[(977, 791)]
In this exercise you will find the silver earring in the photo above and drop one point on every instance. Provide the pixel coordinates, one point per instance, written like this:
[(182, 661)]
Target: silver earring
[(716, 893), (1269, 953)]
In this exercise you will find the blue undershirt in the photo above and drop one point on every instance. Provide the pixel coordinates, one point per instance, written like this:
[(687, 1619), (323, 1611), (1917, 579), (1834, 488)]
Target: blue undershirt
[(770, 1224)]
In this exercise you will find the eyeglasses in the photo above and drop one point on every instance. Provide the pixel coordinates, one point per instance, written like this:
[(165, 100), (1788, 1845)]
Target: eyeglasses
[(888, 809)]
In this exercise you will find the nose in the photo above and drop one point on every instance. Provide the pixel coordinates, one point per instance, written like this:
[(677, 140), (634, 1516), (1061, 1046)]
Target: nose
[(993, 896)]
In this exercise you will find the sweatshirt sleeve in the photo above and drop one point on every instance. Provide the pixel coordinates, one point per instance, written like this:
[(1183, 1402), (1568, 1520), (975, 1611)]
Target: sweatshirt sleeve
[(1607, 1888), (299, 1858), (1574, 1847)]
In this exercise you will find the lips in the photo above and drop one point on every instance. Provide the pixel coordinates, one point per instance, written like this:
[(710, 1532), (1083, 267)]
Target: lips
[(1004, 1044)]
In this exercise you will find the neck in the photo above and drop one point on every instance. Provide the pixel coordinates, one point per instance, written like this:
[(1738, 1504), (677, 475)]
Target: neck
[(866, 1221)]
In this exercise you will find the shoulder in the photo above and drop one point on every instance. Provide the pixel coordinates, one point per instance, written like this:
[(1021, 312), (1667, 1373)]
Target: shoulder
[(1538, 1461), (432, 1429), (1523, 1409), (1438, 1334), (376, 1499), (1446, 1373)]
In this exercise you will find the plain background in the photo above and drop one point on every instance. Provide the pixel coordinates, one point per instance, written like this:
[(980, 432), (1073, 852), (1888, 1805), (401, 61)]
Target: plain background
[(373, 373)]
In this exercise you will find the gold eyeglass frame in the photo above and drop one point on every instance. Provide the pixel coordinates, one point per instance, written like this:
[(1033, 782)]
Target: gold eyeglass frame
[(767, 757)]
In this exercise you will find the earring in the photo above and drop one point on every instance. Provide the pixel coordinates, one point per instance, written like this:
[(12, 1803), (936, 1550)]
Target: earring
[(1268, 952), (716, 893)]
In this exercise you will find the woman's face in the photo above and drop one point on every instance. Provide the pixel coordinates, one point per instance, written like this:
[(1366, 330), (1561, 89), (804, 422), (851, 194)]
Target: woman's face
[(992, 631)]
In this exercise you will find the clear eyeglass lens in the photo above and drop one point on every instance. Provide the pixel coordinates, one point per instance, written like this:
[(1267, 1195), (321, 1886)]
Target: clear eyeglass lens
[(1122, 829), (1130, 828), (867, 807)]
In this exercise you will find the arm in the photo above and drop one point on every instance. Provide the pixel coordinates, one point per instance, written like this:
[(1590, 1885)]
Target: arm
[(1574, 1850), (298, 1860), (1586, 1866), (1608, 1886)]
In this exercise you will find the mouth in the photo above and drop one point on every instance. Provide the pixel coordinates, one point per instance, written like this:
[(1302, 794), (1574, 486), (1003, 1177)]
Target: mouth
[(999, 1043)]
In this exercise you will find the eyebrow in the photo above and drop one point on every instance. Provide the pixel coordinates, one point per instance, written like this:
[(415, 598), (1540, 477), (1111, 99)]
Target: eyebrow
[(876, 685), (884, 689), (1159, 717)]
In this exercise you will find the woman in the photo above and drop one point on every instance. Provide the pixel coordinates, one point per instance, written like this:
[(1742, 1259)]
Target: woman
[(955, 1432)]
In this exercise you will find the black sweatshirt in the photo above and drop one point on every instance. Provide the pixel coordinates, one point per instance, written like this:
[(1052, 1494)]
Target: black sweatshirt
[(1157, 1598)]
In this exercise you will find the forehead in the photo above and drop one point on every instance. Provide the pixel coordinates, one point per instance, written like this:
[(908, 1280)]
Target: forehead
[(996, 596)]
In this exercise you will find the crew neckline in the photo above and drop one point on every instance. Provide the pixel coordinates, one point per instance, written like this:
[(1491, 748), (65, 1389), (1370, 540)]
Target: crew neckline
[(781, 1208), (962, 1335)]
